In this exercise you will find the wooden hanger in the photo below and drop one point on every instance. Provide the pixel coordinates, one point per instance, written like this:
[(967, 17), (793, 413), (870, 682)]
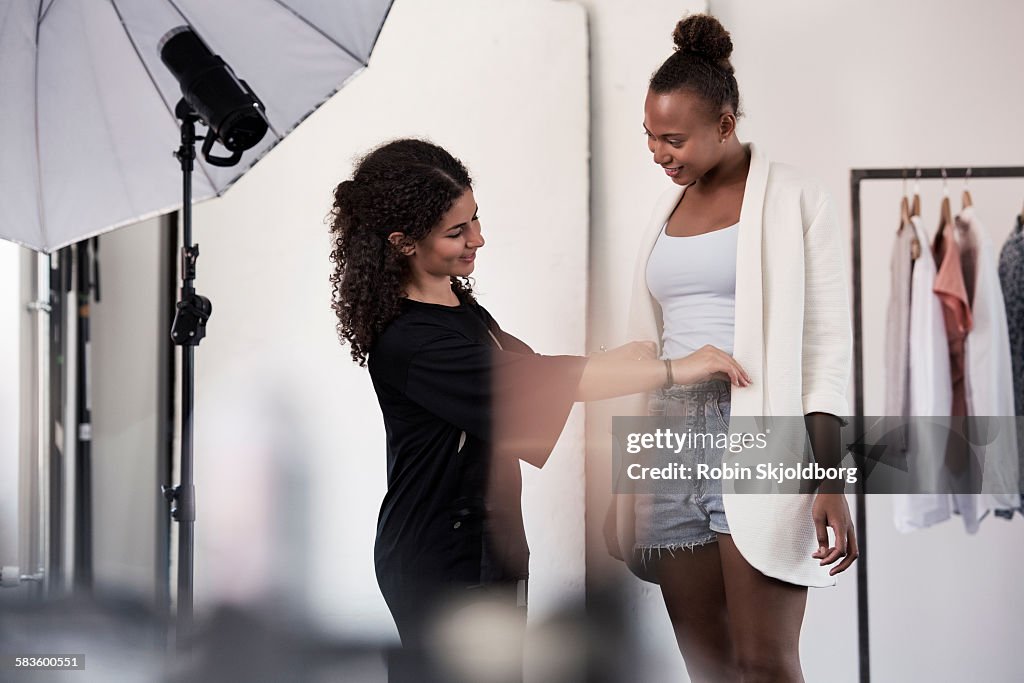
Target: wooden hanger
[(966, 200), (945, 216), (947, 213), (906, 223), (904, 205), (945, 229), (915, 243), (915, 207)]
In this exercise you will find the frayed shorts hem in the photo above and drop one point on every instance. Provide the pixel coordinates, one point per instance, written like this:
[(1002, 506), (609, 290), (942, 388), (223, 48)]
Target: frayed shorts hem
[(647, 553)]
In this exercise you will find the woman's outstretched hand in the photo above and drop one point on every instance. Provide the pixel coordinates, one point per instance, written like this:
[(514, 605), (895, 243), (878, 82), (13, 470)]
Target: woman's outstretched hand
[(708, 362), (634, 367)]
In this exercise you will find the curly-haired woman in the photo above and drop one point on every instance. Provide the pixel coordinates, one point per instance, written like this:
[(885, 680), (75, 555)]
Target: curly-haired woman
[(744, 254), (463, 401)]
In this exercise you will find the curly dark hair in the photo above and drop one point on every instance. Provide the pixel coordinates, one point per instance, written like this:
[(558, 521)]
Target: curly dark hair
[(402, 186), (701, 64)]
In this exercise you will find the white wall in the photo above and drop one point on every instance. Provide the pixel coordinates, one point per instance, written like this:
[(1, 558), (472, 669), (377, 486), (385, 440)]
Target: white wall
[(831, 86), (504, 87)]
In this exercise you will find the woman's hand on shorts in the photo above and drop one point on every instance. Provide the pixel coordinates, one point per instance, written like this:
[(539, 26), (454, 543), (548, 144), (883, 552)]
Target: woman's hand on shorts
[(832, 510), (708, 362)]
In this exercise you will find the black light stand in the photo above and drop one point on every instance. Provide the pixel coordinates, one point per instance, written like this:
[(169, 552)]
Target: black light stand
[(87, 285), (187, 330), (235, 117), (60, 288)]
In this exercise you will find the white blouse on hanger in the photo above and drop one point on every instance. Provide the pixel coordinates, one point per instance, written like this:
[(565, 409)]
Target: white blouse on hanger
[(931, 395)]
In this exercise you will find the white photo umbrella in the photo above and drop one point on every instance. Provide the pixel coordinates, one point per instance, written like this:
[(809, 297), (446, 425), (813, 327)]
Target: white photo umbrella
[(87, 123)]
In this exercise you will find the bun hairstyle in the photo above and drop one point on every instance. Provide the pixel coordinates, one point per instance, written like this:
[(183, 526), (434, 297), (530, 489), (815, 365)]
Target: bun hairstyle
[(403, 186), (701, 64), (704, 35)]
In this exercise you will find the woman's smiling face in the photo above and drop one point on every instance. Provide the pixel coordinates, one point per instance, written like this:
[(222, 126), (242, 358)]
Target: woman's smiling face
[(681, 135), (450, 247)]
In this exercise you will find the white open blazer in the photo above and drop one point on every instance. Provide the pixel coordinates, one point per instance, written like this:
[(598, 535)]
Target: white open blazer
[(793, 336)]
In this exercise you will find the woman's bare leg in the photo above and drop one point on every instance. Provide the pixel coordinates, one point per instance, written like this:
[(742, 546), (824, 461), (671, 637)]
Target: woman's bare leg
[(694, 592), (765, 616)]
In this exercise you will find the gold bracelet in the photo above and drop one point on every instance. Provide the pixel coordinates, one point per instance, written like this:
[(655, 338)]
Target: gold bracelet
[(669, 378)]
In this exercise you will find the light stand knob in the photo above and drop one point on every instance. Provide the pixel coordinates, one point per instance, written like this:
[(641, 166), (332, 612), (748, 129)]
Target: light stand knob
[(9, 577)]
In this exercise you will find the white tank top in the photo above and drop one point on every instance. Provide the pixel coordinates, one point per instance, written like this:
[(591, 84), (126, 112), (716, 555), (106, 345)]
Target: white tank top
[(694, 280)]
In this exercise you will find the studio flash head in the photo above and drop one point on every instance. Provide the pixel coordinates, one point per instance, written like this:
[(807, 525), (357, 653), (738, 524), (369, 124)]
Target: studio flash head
[(225, 103)]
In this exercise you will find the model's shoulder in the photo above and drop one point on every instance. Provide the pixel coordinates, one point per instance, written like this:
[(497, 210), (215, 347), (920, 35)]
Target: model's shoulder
[(407, 332), (789, 175), (483, 314), (399, 342), (787, 178)]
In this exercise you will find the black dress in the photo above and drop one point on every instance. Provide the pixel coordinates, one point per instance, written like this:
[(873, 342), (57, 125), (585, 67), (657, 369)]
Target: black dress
[(463, 402)]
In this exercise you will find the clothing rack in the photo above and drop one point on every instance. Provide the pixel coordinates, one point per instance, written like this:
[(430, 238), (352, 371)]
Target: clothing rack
[(857, 176)]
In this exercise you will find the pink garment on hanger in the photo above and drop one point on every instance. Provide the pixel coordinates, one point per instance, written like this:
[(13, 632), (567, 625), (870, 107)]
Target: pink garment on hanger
[(956, 310)]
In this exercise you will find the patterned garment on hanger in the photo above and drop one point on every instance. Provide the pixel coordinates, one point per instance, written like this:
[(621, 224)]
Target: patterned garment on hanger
[(1011, 279)]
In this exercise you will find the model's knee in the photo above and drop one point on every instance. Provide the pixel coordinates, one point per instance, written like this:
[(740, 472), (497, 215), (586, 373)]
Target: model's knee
[(711, 667), (768, 667)]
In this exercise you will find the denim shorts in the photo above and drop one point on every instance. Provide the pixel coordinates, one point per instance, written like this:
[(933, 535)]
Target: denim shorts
[(666, 522)]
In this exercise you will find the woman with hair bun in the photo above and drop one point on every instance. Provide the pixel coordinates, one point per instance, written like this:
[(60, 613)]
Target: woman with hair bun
[(744, 254), (463, 401)]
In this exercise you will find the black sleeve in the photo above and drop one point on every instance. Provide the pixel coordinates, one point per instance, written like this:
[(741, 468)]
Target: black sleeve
[(507, 341), (511, 343), (519, 402)]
